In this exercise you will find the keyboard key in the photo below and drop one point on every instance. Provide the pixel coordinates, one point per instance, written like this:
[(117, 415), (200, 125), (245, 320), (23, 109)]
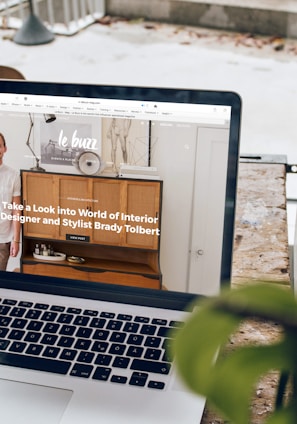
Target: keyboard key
[(135, 351), (16, 334), (84, 332), (68, 354), (67, 330), (49, 339), (25, 304), (19, 323), (164, 332), (17, 312), (109, 315), (118, 337), (57, 308), (159, 385), (121, 362), (42, 306), (32, 337), (5, 321), (34, 363), (157, 321), (34, 349), (90, 313), (4, 309), (98, 323), (114, 325), (4, 344), (148, 330), (177, 324), (124, 317), (103, 359), (119, 379), (65, 341), (153, 354), (11, 302), (33, 314), (82, 344), (86, 357), (35, 325), (3, 332), (168, 350), (81, 321), (17, 347), (99, 347), (65, 318), (51, 328), (117, 349), (143, 320), (152, 341), (101, 335), (75, 311), (150, 366), (51, 352), (138, 379), (81, 370), (102, 373), (49, 316), (131, 327), (135, 339)]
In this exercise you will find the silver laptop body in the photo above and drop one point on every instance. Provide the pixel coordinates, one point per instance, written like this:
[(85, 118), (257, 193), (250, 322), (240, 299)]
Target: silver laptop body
[(88, 302)]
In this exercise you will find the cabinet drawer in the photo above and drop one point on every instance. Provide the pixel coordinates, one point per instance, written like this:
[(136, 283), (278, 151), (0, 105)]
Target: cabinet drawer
[(51, 270), (97, 276), (125, 279)]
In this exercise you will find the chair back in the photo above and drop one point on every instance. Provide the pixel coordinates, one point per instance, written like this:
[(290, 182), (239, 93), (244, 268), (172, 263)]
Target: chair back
[(7, 72)]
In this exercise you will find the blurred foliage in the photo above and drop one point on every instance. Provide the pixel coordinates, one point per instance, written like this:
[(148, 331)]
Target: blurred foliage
[(228, 380)]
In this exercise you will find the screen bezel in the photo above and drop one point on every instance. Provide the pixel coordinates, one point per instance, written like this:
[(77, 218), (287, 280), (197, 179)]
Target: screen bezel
[(148, 297)]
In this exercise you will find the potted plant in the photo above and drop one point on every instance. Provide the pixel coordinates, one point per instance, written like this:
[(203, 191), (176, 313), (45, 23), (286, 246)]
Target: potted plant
[(228, 380)]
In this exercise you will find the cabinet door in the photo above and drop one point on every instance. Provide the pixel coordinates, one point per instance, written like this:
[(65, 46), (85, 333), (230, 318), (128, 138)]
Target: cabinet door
[(75, 207), (108, 195), (40, 205), (143, 214)]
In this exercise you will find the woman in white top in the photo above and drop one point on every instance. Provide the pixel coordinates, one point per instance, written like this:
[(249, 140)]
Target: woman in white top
[(10, 197)]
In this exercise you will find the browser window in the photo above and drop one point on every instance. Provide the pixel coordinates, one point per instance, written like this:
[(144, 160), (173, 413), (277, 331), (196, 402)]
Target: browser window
[(118, 190)]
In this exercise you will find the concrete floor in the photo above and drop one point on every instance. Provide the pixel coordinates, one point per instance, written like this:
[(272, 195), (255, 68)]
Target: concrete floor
[(261, 69)]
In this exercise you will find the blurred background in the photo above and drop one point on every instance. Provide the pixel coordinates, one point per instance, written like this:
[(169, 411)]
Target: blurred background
[(245, 46)]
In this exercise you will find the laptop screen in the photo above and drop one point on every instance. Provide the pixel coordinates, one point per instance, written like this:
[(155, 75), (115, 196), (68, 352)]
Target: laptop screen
[(123, 186)]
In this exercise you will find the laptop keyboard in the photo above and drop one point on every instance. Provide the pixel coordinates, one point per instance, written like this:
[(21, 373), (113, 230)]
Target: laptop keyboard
[(100, 345)]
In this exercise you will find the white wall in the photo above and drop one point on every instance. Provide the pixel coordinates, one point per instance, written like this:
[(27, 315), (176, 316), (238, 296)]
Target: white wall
[(191, 161)]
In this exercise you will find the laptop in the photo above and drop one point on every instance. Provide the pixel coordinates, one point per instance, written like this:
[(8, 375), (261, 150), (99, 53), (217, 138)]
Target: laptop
[(121, 214)]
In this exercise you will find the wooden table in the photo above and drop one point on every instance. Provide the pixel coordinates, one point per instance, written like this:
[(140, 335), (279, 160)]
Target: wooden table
[(261, 241), (261, 249)]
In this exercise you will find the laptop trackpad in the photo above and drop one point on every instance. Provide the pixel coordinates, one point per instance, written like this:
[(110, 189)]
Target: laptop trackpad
[(30, 403)]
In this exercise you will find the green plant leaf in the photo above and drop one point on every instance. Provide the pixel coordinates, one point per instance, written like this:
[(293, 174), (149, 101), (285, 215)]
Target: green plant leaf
[(235, 377), (197, 345), (228, 382), (284, 416), (263, 300)]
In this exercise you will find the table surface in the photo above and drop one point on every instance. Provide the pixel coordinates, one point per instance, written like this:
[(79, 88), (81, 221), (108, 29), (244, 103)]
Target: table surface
[(261, 250)]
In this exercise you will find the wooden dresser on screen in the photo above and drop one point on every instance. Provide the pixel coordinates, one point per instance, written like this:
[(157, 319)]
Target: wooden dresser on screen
[(110, 225)]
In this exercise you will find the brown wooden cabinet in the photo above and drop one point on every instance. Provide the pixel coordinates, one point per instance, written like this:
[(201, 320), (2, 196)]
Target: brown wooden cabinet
[(112, 223)]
